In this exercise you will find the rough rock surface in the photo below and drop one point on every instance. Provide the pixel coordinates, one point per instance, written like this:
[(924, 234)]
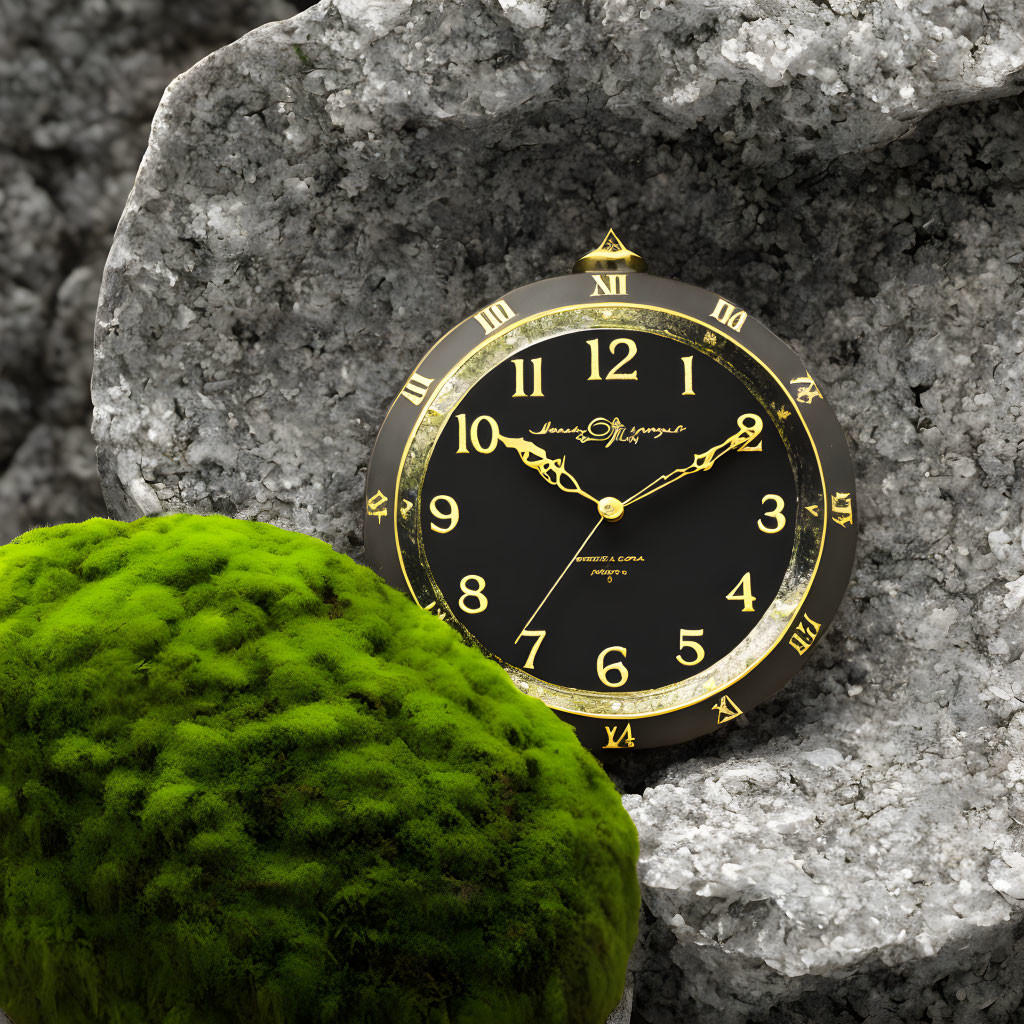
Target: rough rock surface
[(323, 199), (78, 87)]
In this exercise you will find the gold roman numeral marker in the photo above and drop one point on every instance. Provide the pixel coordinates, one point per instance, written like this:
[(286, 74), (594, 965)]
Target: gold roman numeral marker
[(491, 318), (842, 508), (624, 737), (730, 315), (807, 392), (609, 284), (416, 388), (377, 506), (727, 709), (804, 635)]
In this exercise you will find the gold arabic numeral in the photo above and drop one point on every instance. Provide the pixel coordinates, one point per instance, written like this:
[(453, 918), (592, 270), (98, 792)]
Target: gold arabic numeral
[(751, 447), (614, 373), (742, 592), (452, 515), (474, 592), (776, 514), (614, 742), (461, 420), (698, 651), (595, 359), (520, 391), (619, 667), (491, 318), (609, 284), (539, 634), (474, 434), (416, 388), (687, 375), (729, 315)]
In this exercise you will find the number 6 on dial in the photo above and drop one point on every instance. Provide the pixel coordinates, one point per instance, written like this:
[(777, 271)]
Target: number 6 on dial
[(616, 666)]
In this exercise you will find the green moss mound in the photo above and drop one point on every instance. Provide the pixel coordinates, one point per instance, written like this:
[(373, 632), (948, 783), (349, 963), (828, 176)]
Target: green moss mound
[(242, 779)]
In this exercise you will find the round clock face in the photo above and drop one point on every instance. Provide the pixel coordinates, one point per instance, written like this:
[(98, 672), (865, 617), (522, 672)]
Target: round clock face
[(642, 509)]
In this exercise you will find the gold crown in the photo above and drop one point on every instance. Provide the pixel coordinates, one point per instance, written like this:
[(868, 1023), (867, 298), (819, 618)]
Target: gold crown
[(611, 254)]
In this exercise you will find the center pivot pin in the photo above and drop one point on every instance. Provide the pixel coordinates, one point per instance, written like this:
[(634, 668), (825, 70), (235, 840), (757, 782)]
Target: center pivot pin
[(611, 508)]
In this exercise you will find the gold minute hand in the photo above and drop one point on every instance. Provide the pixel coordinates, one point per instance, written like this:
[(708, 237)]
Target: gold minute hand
[(750, 427), (551, 470)]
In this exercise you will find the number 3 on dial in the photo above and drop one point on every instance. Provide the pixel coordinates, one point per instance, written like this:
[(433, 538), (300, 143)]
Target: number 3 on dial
[(776, 514)]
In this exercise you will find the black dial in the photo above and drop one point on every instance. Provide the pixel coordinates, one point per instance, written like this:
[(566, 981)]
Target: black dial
[(624, 489), (664, 587)]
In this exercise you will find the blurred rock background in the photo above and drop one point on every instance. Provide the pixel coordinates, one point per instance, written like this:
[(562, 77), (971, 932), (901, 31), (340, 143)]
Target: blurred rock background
[(79, 82)]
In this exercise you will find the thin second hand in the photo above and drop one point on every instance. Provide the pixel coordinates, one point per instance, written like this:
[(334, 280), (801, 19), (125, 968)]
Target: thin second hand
[(562, 573)]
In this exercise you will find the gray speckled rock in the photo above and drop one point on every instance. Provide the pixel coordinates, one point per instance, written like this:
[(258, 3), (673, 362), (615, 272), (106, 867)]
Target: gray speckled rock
[(323, 199), (78, 86)]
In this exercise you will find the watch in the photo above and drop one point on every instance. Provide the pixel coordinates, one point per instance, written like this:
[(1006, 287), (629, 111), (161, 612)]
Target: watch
[(626, 491)]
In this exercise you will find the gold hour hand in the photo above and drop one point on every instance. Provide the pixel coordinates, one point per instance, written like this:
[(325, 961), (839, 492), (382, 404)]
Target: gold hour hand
[(750, 426), (551, 470)]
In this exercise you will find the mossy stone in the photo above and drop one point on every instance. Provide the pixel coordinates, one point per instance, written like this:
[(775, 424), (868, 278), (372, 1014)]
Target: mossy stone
[(242, 779)]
